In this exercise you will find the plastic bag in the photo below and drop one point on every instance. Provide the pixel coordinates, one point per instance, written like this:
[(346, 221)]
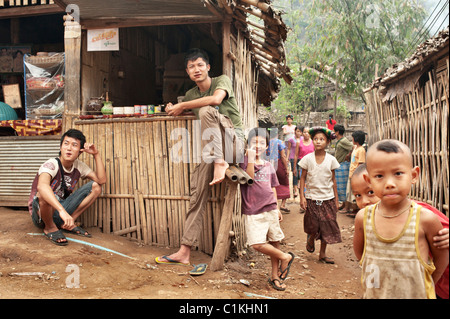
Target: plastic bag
[(44, 85)]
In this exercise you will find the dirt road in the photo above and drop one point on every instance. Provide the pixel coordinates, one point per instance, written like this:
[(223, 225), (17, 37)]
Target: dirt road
[(104, 274)]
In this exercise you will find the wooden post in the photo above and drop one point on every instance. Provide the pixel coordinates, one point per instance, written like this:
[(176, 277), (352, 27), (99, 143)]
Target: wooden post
[(227, 62), (223, 237), (72, 44)]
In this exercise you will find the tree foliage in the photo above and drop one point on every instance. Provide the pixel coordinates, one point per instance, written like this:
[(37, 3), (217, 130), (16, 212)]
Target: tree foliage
[(345, 40)]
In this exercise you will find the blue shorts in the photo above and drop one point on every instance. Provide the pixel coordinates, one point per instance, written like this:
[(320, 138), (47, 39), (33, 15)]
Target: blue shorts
[(70, 204)]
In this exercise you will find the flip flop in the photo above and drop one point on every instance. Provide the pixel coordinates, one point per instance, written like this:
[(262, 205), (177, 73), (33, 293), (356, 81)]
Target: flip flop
[(78, 231), (168, 261), (284, 209), (198, 270), (286, 271), (54, 236), (310, 248), (272, 282)]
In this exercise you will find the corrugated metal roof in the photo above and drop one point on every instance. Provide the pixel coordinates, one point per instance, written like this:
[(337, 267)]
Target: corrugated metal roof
[(20, 160), (145, 9)]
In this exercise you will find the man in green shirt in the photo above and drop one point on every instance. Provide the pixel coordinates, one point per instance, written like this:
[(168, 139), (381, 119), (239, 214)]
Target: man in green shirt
[(343, 151), (214, 104)]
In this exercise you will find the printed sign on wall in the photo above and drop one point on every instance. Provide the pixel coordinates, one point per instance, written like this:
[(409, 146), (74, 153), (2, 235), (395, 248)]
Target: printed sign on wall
[(103, 39)]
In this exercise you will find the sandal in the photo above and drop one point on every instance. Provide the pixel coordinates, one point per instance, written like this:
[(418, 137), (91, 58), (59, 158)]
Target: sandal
[(284, 209), (78, 231), (198, 270), (285, 272), (272, 282), (310, 248), (55, 236)]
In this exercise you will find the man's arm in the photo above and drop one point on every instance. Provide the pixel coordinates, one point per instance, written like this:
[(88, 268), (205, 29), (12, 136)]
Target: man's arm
[(46, 192), (216, 99), (47, 195), (99, 175)]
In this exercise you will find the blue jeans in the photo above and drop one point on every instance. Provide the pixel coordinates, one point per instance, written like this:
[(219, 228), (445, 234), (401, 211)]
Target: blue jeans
[(70, 204)]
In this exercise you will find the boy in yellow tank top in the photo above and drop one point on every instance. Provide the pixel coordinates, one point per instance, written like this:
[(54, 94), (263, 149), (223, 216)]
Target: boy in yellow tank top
[(394, 238)]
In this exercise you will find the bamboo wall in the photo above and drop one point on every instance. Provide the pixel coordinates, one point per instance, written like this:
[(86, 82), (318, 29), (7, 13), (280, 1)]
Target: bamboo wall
[(147, 195), (419, 118), (245, 79)]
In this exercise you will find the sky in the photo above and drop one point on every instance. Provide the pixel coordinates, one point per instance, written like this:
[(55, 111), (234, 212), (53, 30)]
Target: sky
[(436, 18)]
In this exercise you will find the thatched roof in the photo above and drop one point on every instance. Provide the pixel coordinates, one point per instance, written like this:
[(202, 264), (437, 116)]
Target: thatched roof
[(425, 51)]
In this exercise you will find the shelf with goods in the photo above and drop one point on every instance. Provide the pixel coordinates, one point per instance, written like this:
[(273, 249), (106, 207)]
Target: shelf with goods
[(44, 85)]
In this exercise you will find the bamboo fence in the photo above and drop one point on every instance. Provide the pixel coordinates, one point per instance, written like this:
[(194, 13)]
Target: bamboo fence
[(418, 118), (147, 193)]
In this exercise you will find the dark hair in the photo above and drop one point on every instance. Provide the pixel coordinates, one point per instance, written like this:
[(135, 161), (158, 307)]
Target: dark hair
[(258, 131), (73, 133), (300, 127), (388, 147), (194, 54), (359, 169), (359, 137), (289, 116), (330, 117), (393, 146), (339, 128)]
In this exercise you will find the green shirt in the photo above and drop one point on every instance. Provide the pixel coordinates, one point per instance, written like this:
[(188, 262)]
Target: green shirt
[(228, 107), (343, 147)]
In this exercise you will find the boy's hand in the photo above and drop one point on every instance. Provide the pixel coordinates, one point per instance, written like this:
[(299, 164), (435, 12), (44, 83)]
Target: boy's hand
[(303, 203), (280, 216), (251, 155), (69, 223), (90, 148), (174, 110), (441, 240)]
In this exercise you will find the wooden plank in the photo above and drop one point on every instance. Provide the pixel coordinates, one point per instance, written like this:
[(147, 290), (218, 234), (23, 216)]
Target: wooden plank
[(72, 44), (223, 237)]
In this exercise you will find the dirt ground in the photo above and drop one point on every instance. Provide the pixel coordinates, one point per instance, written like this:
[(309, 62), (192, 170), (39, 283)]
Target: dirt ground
[(102, 274)]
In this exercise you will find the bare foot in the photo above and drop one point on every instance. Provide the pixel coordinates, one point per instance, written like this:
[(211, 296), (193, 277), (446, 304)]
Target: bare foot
[(182, 256), (172, 259), (219, 172)]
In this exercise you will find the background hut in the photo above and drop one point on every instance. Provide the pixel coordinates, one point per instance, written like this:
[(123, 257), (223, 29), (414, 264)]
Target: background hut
[(409, 102)]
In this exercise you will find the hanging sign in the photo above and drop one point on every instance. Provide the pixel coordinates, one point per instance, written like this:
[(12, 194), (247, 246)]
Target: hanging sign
[(103, 40)]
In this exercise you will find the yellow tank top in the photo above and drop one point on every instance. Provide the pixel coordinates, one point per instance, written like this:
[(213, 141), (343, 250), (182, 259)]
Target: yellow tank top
[(392, 268)]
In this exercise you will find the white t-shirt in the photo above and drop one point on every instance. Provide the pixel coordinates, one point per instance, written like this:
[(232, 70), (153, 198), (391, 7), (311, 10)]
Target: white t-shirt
[(319, 181), (288, 131)]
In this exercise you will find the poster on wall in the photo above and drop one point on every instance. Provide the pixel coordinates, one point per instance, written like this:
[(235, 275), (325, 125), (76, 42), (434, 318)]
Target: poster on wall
[(103, 40), (11, 58)]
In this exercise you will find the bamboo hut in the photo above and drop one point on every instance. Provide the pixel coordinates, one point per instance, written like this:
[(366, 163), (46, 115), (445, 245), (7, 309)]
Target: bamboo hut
[(409, 102), (147, 193)]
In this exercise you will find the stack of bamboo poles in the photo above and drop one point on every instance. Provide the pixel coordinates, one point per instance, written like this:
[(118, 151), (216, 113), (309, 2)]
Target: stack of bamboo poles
[(147, 193), (419, 119)]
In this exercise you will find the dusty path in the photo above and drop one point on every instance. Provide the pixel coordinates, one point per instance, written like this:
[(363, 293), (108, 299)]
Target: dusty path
[(105, 275)]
